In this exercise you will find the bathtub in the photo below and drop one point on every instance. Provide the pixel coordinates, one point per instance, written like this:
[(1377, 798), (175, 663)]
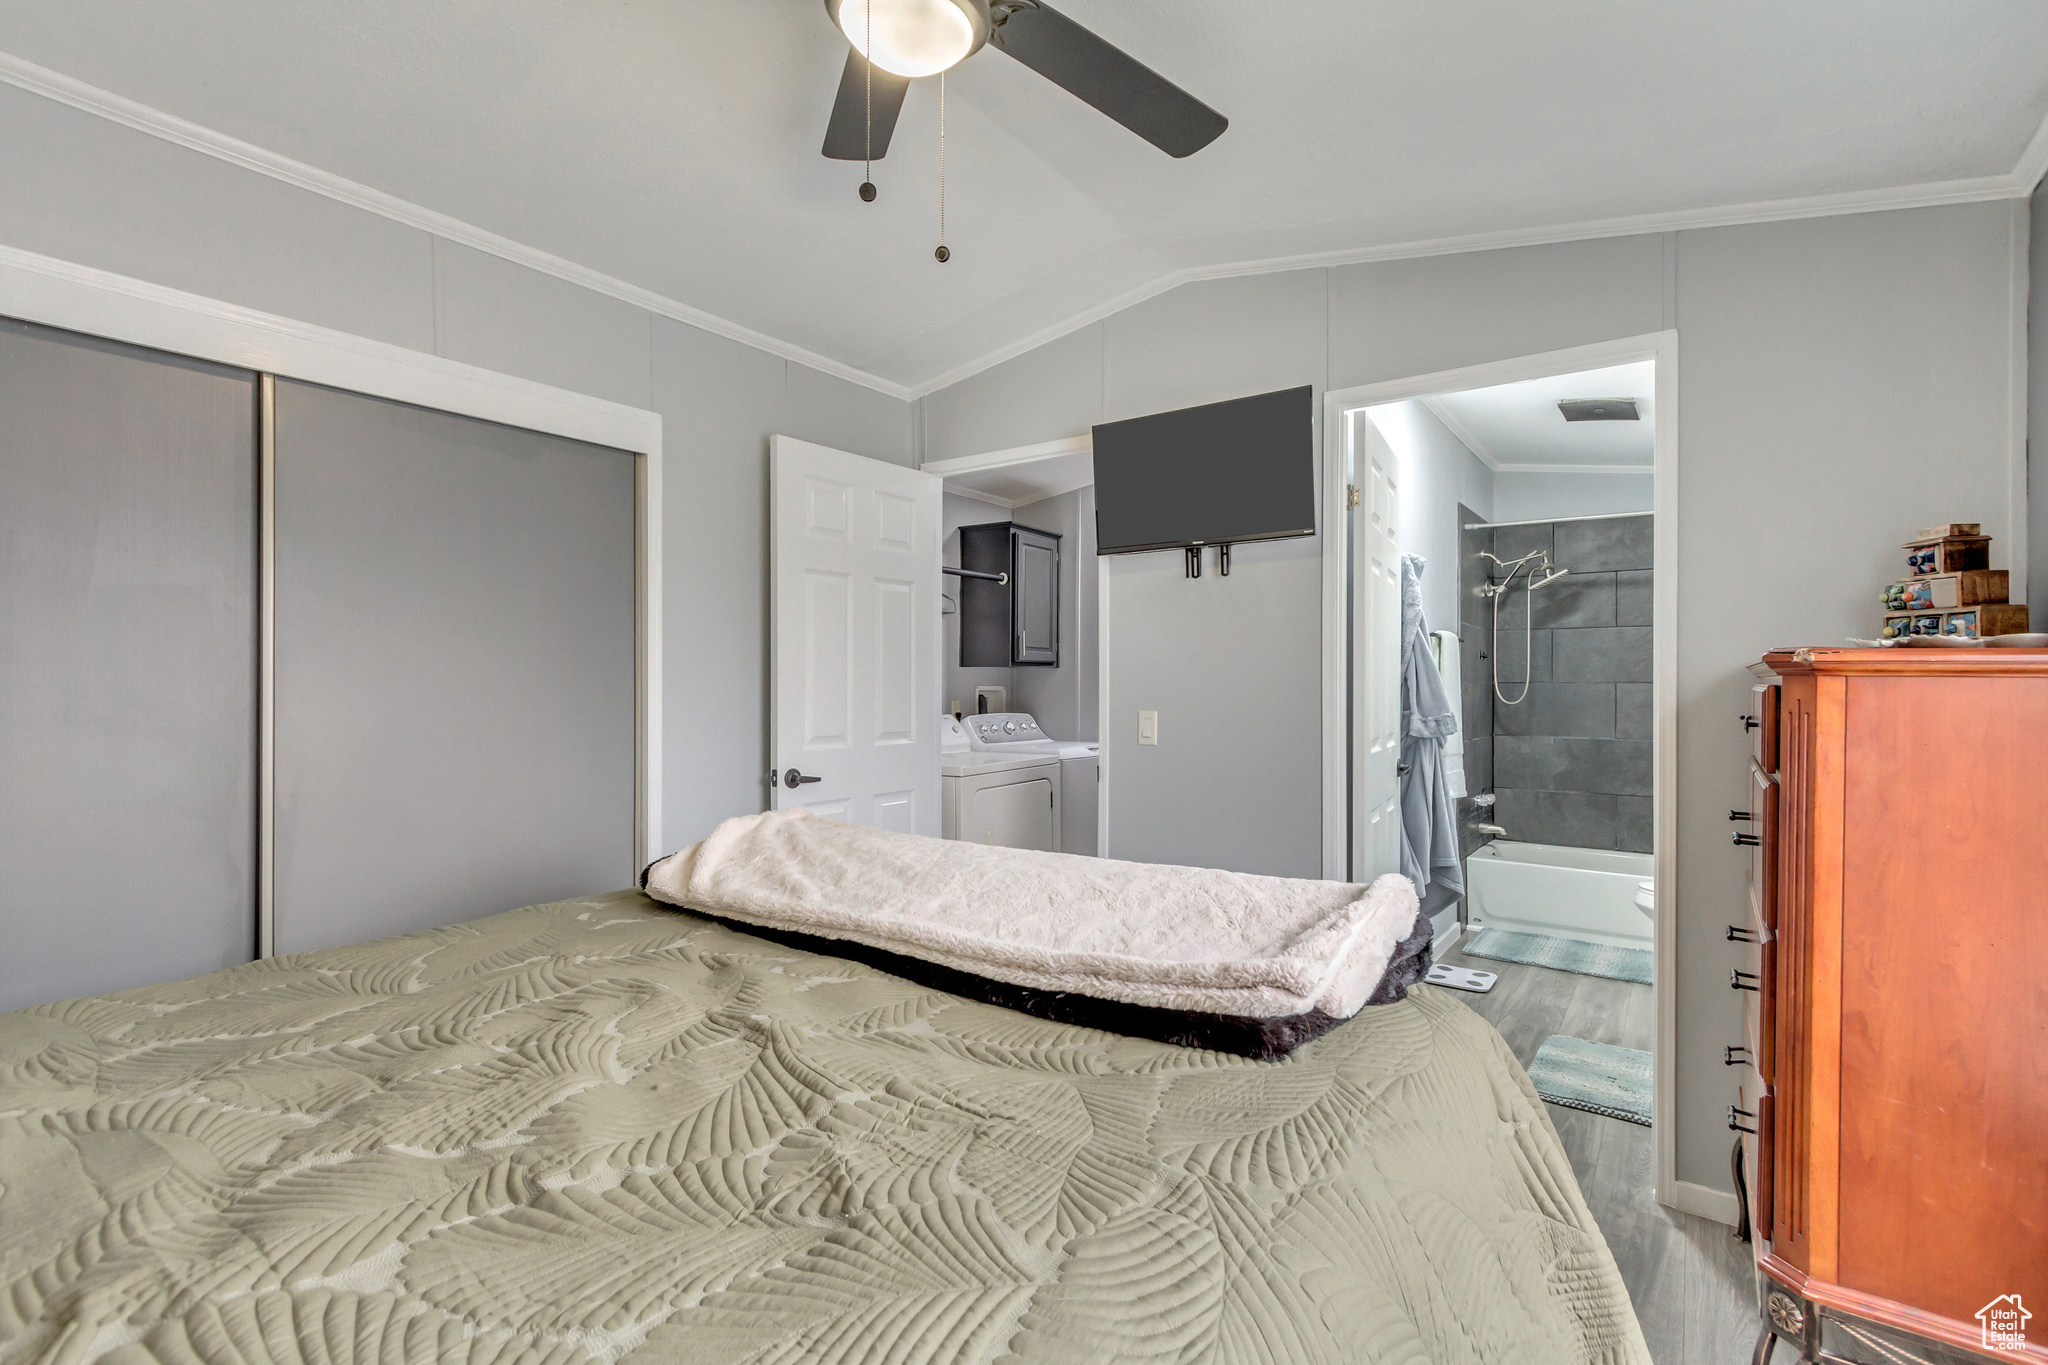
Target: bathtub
[(1584, 893)]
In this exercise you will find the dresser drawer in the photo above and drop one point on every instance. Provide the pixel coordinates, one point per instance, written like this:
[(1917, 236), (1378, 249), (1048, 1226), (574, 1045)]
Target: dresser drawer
[(1762, 843), (1762, 724), (1753, 1110)]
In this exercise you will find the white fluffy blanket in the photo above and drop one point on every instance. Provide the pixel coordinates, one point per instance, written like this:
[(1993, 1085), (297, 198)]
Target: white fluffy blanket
[(1181, 938)]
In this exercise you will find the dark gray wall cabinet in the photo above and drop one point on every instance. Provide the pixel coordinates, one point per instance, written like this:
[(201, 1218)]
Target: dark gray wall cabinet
[(1015, 624)]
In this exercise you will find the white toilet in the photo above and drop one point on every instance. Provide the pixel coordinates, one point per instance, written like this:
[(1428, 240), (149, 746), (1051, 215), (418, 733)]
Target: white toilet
[(1646, 899)]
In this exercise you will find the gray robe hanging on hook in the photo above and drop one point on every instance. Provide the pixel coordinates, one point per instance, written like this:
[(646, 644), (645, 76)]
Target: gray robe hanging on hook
[(1429, 818)]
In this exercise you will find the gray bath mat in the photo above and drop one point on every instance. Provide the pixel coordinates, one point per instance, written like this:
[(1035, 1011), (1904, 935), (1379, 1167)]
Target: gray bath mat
[(1595, 1077), (1563, 954)]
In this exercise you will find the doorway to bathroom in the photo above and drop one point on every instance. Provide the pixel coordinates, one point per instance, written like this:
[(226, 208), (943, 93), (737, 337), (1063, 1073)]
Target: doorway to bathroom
[(1501, 606)]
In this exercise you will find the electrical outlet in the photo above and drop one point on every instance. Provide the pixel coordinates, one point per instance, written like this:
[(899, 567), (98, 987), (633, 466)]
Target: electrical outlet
[(1148, 727)]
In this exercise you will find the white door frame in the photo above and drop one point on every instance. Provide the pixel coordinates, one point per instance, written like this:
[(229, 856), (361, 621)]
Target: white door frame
[(1661, 347), (77, 298)]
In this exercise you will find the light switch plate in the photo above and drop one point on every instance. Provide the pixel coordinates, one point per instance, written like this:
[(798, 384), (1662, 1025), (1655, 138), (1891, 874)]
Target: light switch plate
[(1148, 727)]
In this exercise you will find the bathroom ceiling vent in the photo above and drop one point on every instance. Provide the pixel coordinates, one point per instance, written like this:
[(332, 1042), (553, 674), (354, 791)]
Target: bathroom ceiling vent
[(1599, 410)]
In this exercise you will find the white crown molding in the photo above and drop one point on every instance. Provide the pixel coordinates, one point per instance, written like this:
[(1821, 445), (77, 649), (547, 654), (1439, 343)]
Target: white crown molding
[(119, 109), (1015, 455), (976, 495), (26, 75), (1574, 469), (1459, 430)]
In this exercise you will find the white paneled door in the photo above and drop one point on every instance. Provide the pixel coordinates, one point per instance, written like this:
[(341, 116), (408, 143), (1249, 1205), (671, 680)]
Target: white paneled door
[(854, 661), (1376, 663)]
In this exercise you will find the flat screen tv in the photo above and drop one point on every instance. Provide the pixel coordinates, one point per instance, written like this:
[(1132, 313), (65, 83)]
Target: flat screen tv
[(1219, 474)]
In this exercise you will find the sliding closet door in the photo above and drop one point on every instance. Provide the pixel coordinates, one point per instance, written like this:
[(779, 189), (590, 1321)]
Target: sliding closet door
[(127, 666), (454, 668)]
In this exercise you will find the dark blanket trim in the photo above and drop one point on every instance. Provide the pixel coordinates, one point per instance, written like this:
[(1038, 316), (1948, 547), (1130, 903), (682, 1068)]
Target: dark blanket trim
[(1266, 1040)]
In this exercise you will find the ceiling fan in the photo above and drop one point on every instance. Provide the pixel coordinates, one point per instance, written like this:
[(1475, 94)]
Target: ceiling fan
[(912, 38)]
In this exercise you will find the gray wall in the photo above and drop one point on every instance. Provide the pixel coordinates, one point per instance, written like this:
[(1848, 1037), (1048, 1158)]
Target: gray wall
[(1064, 698), (1821, 364), (87, 190), (1220, 659), (1522, 496), (1572, 758), (1437, 473)]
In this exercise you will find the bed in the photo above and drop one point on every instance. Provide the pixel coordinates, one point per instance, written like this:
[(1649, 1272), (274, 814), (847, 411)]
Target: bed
[(608, 1130)]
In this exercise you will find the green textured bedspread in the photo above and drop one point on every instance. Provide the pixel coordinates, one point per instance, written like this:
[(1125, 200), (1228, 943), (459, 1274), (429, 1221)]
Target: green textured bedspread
[(606, 1130)]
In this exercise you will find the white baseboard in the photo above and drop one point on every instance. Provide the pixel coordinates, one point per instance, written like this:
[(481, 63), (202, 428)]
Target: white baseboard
[(1718, 1205), (1445, 941)]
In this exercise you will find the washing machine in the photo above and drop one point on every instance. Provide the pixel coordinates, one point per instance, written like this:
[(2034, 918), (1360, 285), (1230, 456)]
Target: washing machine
[(1011, 800), (1016, 732)]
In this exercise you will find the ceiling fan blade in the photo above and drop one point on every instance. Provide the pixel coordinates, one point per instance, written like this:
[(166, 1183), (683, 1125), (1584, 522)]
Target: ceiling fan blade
[(1119, 85), (846, 137)]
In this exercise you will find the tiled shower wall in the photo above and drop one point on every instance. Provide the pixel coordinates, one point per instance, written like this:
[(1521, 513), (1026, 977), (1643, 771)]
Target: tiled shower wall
[(1571, 764), (1475, 718)]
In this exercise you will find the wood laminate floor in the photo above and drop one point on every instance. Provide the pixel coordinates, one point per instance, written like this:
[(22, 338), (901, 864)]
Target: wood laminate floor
[(1693, 1284)]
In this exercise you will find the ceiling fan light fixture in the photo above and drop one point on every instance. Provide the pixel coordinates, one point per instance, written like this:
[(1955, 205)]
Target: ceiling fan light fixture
[(913, 37)]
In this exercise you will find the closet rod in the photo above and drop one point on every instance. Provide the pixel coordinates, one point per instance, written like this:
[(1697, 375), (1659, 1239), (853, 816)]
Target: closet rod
[(1545, 521), (1001, 578), (266, 657)]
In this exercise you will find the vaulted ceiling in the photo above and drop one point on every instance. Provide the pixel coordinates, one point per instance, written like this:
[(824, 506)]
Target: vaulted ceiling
[(673, 144)]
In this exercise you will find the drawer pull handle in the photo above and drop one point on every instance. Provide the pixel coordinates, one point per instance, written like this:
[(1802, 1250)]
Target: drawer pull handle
[(1742, 981), (1738, 934), (1747, 840), (1750, 723), (1741, 816), (1728, 1057), (1741, 1193), (1735, 1121)]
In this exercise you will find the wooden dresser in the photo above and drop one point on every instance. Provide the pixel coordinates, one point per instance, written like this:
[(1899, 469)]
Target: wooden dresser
[(1895, 1066)]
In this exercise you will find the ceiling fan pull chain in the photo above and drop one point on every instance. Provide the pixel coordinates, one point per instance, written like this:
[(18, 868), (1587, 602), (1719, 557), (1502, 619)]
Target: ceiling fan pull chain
[(867, 183), (942, 254)]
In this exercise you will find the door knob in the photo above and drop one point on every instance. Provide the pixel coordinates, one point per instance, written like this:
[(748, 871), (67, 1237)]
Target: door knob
[(793, 778)]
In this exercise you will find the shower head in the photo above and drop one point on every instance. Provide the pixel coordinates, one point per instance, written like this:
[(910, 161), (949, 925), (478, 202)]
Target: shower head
[(1550, 575)]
